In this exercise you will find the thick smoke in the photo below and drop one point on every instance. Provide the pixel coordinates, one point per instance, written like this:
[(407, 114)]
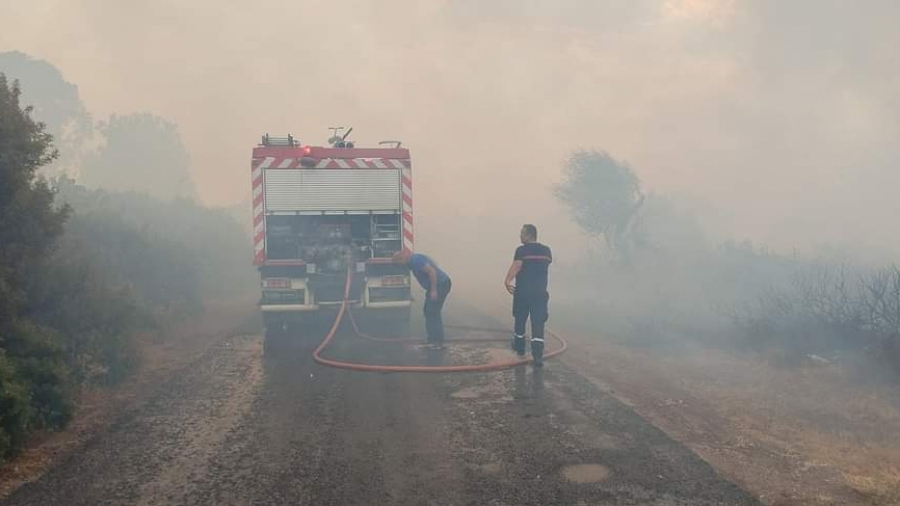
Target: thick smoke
[(780, 116)]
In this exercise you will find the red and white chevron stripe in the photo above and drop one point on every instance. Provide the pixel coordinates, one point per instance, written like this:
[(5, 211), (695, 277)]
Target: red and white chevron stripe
[(342, 163), (259, 205), (406, 188)]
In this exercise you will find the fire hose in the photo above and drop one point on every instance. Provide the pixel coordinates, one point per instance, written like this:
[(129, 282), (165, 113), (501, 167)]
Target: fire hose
[(354, 366)]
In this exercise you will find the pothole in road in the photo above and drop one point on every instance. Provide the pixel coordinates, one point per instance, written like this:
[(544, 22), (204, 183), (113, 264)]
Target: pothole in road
[(585, 473)]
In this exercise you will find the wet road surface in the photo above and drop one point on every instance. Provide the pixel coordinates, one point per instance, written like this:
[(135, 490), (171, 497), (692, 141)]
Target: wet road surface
[(254, 425)]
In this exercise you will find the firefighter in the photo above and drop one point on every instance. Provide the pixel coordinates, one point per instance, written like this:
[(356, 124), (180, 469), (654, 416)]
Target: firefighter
[(437, 286), (529, 269)]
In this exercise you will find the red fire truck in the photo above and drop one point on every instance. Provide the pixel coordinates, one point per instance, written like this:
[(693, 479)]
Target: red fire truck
[(319, 210)]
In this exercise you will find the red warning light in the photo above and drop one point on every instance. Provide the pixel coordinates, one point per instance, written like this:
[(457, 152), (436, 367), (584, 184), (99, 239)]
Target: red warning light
[(305, 150)]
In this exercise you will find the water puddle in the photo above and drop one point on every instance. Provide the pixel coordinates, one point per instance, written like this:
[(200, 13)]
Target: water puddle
[(585, 473)]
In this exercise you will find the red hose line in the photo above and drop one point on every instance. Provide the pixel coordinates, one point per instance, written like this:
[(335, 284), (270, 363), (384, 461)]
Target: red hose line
[(354, 366)]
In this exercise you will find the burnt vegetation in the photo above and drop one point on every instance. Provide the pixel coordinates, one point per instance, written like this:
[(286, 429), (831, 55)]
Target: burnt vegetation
[(823, 308), (85, 271), (658, 279)]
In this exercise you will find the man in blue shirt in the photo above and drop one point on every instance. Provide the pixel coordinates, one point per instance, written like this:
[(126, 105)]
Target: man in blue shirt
[(437, 285)]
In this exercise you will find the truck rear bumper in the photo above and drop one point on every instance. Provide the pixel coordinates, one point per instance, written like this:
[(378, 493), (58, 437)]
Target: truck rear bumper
[(307, 308), (394, 304)]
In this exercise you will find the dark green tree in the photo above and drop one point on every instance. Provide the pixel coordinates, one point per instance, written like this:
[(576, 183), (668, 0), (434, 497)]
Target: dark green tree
[(33, 372), (29, 221)]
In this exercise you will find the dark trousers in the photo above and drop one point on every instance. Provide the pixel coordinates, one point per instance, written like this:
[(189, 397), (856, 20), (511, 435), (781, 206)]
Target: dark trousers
[(535, 307), (434, 323)]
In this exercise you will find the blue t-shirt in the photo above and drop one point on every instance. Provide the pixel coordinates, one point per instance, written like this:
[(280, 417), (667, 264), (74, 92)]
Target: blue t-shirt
[(417, 263)]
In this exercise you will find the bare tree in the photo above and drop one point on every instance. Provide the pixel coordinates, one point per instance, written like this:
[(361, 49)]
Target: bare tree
[(881, 305), (604, 195)]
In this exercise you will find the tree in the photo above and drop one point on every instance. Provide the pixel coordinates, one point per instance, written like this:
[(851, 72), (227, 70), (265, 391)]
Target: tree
[(143, 153), (33, 372), (29, 222), (57, 104), (603, 194)]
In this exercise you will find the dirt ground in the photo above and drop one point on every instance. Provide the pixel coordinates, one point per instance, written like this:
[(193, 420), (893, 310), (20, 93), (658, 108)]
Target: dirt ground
[(815, 434), (812, 435), (243, 423)]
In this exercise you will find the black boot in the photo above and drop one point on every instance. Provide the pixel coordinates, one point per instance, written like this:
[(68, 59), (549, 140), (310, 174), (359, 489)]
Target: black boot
[(537, 352), (519, 345)]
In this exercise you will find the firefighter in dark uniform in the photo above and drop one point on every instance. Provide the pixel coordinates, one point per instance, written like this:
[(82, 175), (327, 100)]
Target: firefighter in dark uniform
[(529, 269)]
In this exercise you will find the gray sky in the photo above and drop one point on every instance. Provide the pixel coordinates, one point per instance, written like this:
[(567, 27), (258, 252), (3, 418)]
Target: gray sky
[(781, 115)]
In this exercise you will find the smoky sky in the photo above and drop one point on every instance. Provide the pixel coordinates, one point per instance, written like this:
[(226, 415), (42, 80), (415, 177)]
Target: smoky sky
[(781, 118)]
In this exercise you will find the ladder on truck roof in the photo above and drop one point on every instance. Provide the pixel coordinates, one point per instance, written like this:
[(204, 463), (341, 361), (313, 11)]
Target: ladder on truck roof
[(288, 141)]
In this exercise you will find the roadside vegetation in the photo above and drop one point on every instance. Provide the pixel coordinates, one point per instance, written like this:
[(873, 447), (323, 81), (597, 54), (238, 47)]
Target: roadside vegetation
[(657, 278), (84, 270)]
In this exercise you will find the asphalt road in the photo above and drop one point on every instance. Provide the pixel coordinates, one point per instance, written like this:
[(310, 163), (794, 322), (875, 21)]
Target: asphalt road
[(254, 425)]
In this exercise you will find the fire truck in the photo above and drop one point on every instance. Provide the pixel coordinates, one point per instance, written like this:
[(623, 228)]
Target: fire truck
[(321, 210)]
